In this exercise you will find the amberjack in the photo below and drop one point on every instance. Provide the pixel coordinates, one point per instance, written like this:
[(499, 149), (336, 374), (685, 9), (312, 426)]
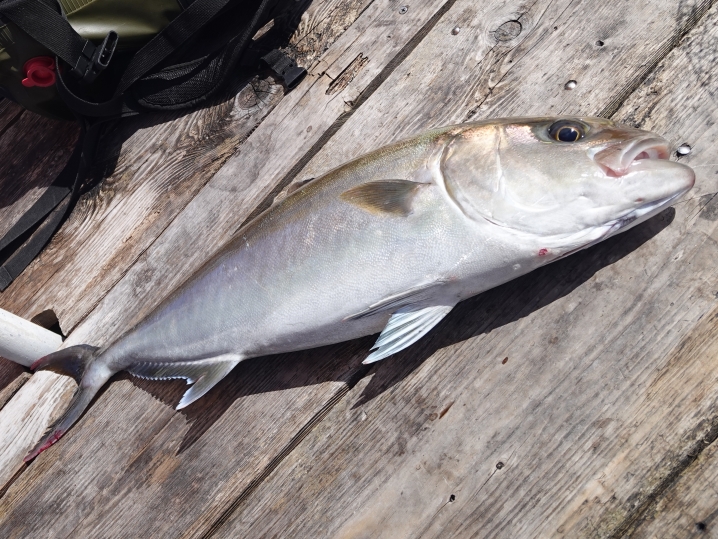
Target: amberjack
[(389, 243)]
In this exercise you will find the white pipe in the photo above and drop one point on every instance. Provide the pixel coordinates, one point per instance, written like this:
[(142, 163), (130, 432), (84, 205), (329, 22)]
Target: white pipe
[(24, 342)]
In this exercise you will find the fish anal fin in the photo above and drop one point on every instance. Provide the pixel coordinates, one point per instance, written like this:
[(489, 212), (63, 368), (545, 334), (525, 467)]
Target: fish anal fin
[(392, 197), (405, 327), (204, 374)]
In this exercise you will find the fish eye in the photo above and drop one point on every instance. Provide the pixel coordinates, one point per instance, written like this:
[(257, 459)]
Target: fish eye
[(566, 131)]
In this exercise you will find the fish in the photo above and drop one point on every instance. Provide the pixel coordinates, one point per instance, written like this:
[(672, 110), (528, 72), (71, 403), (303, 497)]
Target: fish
[(389, 243)]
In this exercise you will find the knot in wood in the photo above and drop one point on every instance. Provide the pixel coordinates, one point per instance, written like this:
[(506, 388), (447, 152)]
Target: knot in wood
[(508, 31)]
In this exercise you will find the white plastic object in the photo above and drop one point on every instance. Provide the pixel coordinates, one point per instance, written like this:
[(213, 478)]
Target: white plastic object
[(23, 342)]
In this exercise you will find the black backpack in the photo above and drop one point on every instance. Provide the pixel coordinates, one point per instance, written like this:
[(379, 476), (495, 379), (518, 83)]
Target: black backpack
[(155, 55)]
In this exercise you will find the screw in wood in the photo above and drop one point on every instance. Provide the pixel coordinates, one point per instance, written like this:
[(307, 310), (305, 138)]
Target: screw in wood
[(684, 149)]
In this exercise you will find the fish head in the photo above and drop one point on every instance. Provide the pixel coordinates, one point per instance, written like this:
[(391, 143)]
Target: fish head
[(566, 183)]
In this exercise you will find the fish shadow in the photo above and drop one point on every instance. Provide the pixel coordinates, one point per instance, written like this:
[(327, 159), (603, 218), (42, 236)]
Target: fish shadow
[(343, 362)]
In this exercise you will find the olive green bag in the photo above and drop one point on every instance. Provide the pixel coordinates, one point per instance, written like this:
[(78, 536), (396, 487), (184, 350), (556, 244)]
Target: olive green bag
[(98, 60)]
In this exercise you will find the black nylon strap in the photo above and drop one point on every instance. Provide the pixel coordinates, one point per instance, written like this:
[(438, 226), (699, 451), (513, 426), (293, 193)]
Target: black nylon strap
[(285, 67), (68, 183), (168, 40), (182, 27), (46, 26), (52, 196), (49, 28)]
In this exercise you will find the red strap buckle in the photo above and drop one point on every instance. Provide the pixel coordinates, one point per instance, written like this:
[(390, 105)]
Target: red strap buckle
[(40, 72)]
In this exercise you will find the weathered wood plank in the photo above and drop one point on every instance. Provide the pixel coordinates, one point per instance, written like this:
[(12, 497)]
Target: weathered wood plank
[(26, 410), (12, 377), (34, 150), (609, 380), (688, 508), (163, 166), (9, 114), (245, 422)]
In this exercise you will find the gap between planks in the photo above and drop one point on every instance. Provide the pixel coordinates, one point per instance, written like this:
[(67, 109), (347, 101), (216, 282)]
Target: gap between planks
[(354, 379)]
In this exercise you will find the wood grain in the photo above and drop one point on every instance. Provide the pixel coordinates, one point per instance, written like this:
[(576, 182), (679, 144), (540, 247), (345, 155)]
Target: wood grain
[(34, 150), (688, 508), (609, 381)]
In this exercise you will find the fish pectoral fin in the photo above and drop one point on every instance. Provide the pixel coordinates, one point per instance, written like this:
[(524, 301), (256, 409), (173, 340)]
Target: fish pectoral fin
[(410, 297), (405, 327), (386, 196), (204, 374)]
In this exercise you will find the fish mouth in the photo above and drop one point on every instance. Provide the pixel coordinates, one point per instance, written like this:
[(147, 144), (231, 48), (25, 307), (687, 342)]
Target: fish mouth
[(616, 160), (629, 220), (646, 211)]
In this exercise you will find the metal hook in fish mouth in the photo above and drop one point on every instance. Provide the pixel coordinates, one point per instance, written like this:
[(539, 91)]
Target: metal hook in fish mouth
[(617, 159)]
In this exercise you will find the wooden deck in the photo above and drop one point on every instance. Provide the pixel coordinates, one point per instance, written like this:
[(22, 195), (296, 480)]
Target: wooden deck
[(578, 401)]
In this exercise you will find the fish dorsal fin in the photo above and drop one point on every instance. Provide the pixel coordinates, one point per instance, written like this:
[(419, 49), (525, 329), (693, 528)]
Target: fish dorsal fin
[(386, 196), (405, 327), (204, 374)]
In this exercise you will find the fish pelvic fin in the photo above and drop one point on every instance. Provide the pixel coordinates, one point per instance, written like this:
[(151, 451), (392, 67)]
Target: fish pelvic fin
[(405, 327), (80, 363), (384, 197), (203, 374)]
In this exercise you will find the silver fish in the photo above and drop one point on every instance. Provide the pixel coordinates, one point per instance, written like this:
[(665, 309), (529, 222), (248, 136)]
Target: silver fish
[(389, 243)]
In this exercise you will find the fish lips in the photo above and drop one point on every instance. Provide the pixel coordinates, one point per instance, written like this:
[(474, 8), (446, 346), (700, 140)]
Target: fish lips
[(674, 179), (677, 178), (617, 160)]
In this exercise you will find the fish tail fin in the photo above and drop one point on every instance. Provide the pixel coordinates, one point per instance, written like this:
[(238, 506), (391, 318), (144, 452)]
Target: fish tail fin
[(71, 361), (78, 362)]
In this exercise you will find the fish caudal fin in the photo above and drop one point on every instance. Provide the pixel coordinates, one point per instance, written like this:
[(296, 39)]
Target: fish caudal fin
[(405, 327), (71, 361), (204, 374), (78, 362)]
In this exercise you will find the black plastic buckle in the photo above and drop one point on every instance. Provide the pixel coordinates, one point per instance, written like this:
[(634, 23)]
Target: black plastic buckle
[(284, 66), (95, 59)]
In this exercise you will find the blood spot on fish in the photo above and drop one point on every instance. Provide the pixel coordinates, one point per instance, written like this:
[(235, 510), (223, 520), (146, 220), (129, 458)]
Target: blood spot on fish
[(543, 252), (50, 441), (504, 360)]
